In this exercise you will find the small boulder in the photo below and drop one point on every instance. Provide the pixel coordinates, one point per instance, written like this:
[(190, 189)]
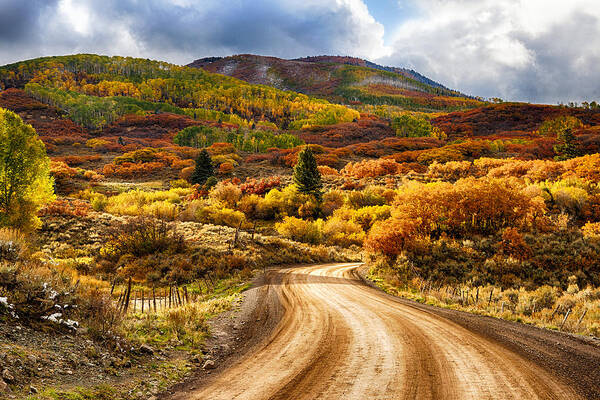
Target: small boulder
[(145, 349), (209, 364), (7, 376), (196, 359)]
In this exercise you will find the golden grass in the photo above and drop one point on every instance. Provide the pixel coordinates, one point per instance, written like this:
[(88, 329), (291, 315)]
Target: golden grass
[(545, 307)]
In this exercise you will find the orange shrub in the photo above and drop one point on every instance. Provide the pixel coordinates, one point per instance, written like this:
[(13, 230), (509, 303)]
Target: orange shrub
[(326, 170), (225, 168), (513, 244), (186, 173), (61, 171), (591, 230), (586, 167), (77, 160), (452, 170), (469, 206), (227, 193), (181, 164), (220, 149), (370, 168), (131, 170), (74, 208), (392, 237)]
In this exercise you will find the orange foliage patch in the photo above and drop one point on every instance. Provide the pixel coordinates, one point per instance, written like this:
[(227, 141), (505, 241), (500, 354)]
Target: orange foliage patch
[(77, 160), (370, 168), (72, 207), (508, 119)]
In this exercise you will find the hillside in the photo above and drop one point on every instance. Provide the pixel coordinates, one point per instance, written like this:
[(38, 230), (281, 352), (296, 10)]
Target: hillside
[(97, 90), (511, 119), (345, 80)]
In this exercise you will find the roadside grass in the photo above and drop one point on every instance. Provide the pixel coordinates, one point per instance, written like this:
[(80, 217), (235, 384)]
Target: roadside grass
[(185, 327), (573, 311), (181, 329)]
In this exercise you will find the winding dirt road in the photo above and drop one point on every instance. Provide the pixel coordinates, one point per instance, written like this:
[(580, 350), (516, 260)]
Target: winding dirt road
[(338, 338)]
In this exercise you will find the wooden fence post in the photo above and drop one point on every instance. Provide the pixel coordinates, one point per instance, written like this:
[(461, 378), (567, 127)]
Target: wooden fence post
[(554, 313), (153, 298), (581, 318), (142, 301), (127, 296), (178, 297), (490, 299), (119, 300), (565, 319)]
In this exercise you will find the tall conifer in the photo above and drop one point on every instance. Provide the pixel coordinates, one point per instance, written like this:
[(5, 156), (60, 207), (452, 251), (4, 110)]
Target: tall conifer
[(306, 174)]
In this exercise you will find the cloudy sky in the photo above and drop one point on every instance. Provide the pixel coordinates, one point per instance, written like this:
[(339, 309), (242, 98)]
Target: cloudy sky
[(544, 51)]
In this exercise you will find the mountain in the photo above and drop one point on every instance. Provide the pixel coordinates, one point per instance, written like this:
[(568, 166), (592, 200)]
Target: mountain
[(345, 80), (409, 73)]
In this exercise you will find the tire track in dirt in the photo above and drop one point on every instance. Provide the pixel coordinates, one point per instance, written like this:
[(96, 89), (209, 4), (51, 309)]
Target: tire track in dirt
[(340, 339)]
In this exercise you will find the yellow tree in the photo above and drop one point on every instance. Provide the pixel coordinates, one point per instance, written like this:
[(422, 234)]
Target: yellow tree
[(25, 182)]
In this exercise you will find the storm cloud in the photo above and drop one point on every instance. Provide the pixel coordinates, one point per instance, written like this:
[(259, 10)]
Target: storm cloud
[(529, 50), (183, 30)]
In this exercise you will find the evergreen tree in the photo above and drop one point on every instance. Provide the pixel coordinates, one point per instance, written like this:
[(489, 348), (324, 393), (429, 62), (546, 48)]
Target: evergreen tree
[(566, 147), (204, 168), (306, 174)]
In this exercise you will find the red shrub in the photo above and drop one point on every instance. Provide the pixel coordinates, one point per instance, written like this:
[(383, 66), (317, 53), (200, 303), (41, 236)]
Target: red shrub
[(262, 186), (71, 207)]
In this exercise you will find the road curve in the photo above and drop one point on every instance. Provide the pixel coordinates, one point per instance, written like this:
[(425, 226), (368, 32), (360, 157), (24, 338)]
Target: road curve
[(340, 339)]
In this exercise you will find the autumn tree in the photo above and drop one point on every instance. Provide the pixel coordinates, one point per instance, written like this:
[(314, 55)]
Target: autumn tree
[(410, 126), (558, 125), (25, 182), (204, 168), (306, 174)]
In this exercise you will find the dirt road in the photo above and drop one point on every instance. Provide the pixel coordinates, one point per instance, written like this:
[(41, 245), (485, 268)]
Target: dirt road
[(338, 338)]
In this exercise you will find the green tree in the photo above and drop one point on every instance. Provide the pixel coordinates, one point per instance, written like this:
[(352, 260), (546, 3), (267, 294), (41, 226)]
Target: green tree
[(409, 126), (558, 125), (204, 168), (25, 182), (566, 147), (306, 174)]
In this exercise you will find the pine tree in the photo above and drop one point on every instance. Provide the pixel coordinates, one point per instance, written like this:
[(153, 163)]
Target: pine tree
[(306, 174), (204, 168), (566, 147)]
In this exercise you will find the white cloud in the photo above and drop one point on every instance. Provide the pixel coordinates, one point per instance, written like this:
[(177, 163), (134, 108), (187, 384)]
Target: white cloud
[(76, 15), (518, 49)]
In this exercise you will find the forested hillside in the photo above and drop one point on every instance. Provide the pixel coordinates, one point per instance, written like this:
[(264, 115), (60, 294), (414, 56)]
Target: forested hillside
[(96, 90), (344, 80)]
